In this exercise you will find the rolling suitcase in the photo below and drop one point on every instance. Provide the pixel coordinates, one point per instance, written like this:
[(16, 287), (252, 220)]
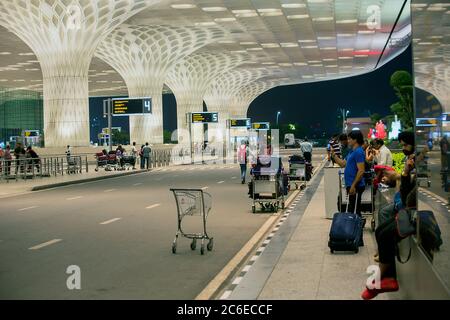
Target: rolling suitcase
[(346, 231)]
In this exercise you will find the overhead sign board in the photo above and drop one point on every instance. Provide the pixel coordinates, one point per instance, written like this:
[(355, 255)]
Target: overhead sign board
[(131, 106), (240, 123), (204, 117), (261, 125)]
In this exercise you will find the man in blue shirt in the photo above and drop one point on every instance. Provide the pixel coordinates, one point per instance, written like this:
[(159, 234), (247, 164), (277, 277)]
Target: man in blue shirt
[(354, 172)]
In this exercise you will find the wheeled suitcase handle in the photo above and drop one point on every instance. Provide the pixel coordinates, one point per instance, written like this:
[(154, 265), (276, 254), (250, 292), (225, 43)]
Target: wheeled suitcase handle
[(348, 202)]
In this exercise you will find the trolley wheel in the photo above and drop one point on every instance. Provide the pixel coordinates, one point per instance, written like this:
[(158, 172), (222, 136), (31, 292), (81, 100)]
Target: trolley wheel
[(210, 244), (356, 250), (202, 249), (174, 248), (332, 251), (253, 209), (193, 244), (96, 169), (282, 205), (372, 224), (429, 184)]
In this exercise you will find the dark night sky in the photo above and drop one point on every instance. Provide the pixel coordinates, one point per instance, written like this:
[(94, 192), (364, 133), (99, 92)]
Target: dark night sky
[(317, 103), (313, 104)]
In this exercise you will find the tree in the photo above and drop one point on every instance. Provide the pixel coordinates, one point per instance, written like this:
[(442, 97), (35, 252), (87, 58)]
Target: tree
[(401, 82), (375, 117)]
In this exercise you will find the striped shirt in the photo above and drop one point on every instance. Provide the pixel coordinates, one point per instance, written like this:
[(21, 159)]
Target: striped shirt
[(335, 146)]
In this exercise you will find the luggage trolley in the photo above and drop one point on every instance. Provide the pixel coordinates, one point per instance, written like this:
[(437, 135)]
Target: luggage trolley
[(193, 202), (367, 199), (297, 171), (267, 191)]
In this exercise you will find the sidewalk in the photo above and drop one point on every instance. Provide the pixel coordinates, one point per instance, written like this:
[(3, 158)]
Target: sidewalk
[(12, 188), (306, 269)]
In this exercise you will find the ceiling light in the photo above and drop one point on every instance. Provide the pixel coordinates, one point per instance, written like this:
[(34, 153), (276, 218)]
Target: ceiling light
[(293, 5), (307, 77), (4, 53), (328, 48), (326, 38), (322, 19), (345, 58), (347, 21), (316, 65), (284, 64), (346, 49), (306, 41), (26, 54), (345, 34), (268, 63), (289, 44), (3, 80), (246, 15), (214, 9), (300, 64), (225, 19), (271, 14), (255, 49), (366, 31), (226, 42), (248, 43), (297, 16), (183, 6), (329, 59), (360, 55), (318, 1), (270, 45), (19, 80), (309, 47), (205, 24), (32, 69), (332, 66)]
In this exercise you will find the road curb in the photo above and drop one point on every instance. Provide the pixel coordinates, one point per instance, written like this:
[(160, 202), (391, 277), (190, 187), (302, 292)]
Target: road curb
[(218, 282), (67, 183)]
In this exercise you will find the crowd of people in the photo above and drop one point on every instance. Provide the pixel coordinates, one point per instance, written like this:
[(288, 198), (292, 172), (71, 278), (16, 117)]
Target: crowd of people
[(24, 159), (358, 156)]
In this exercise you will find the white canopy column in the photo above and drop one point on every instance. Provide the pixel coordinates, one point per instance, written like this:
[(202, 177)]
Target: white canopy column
[(190, 79), (143, 55), (64, 36)]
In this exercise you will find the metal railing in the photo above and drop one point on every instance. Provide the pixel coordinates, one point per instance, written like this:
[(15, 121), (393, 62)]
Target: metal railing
[(31, 168)]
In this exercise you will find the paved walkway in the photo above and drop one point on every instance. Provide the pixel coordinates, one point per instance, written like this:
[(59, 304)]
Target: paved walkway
[(306, 269)]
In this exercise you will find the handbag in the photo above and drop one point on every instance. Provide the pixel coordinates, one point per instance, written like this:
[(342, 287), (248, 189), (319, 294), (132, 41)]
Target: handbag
[(405, 223)]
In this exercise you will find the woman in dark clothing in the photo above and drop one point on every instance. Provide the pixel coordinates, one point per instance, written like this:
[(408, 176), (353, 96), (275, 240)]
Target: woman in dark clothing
[(387, 234)]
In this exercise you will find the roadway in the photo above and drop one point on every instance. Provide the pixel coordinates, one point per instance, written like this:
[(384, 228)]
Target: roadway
[(119, 232)]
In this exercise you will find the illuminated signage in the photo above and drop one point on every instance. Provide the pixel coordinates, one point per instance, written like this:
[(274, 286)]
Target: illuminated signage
[(426, 122), (130, 106), (204, 117), (261, 126), (240, 123)]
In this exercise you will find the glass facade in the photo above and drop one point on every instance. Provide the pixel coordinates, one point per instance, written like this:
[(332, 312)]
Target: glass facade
[(19, 110)]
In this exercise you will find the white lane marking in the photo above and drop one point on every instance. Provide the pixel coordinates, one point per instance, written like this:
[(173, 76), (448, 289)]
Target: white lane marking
[(110, 190), (266, 241), (276, 229), (220, 182), (27, 208), (225, 295), (272, 234), (237, 280), (254, 258), (204, 188), (247, 267), (233, 177), (110, 221), (153, 206), (45, 244), (137, 184), (74, 198), (261, 249)]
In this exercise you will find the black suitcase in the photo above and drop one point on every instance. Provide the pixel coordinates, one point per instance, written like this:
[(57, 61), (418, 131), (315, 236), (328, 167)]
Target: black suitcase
[(346, 231)]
